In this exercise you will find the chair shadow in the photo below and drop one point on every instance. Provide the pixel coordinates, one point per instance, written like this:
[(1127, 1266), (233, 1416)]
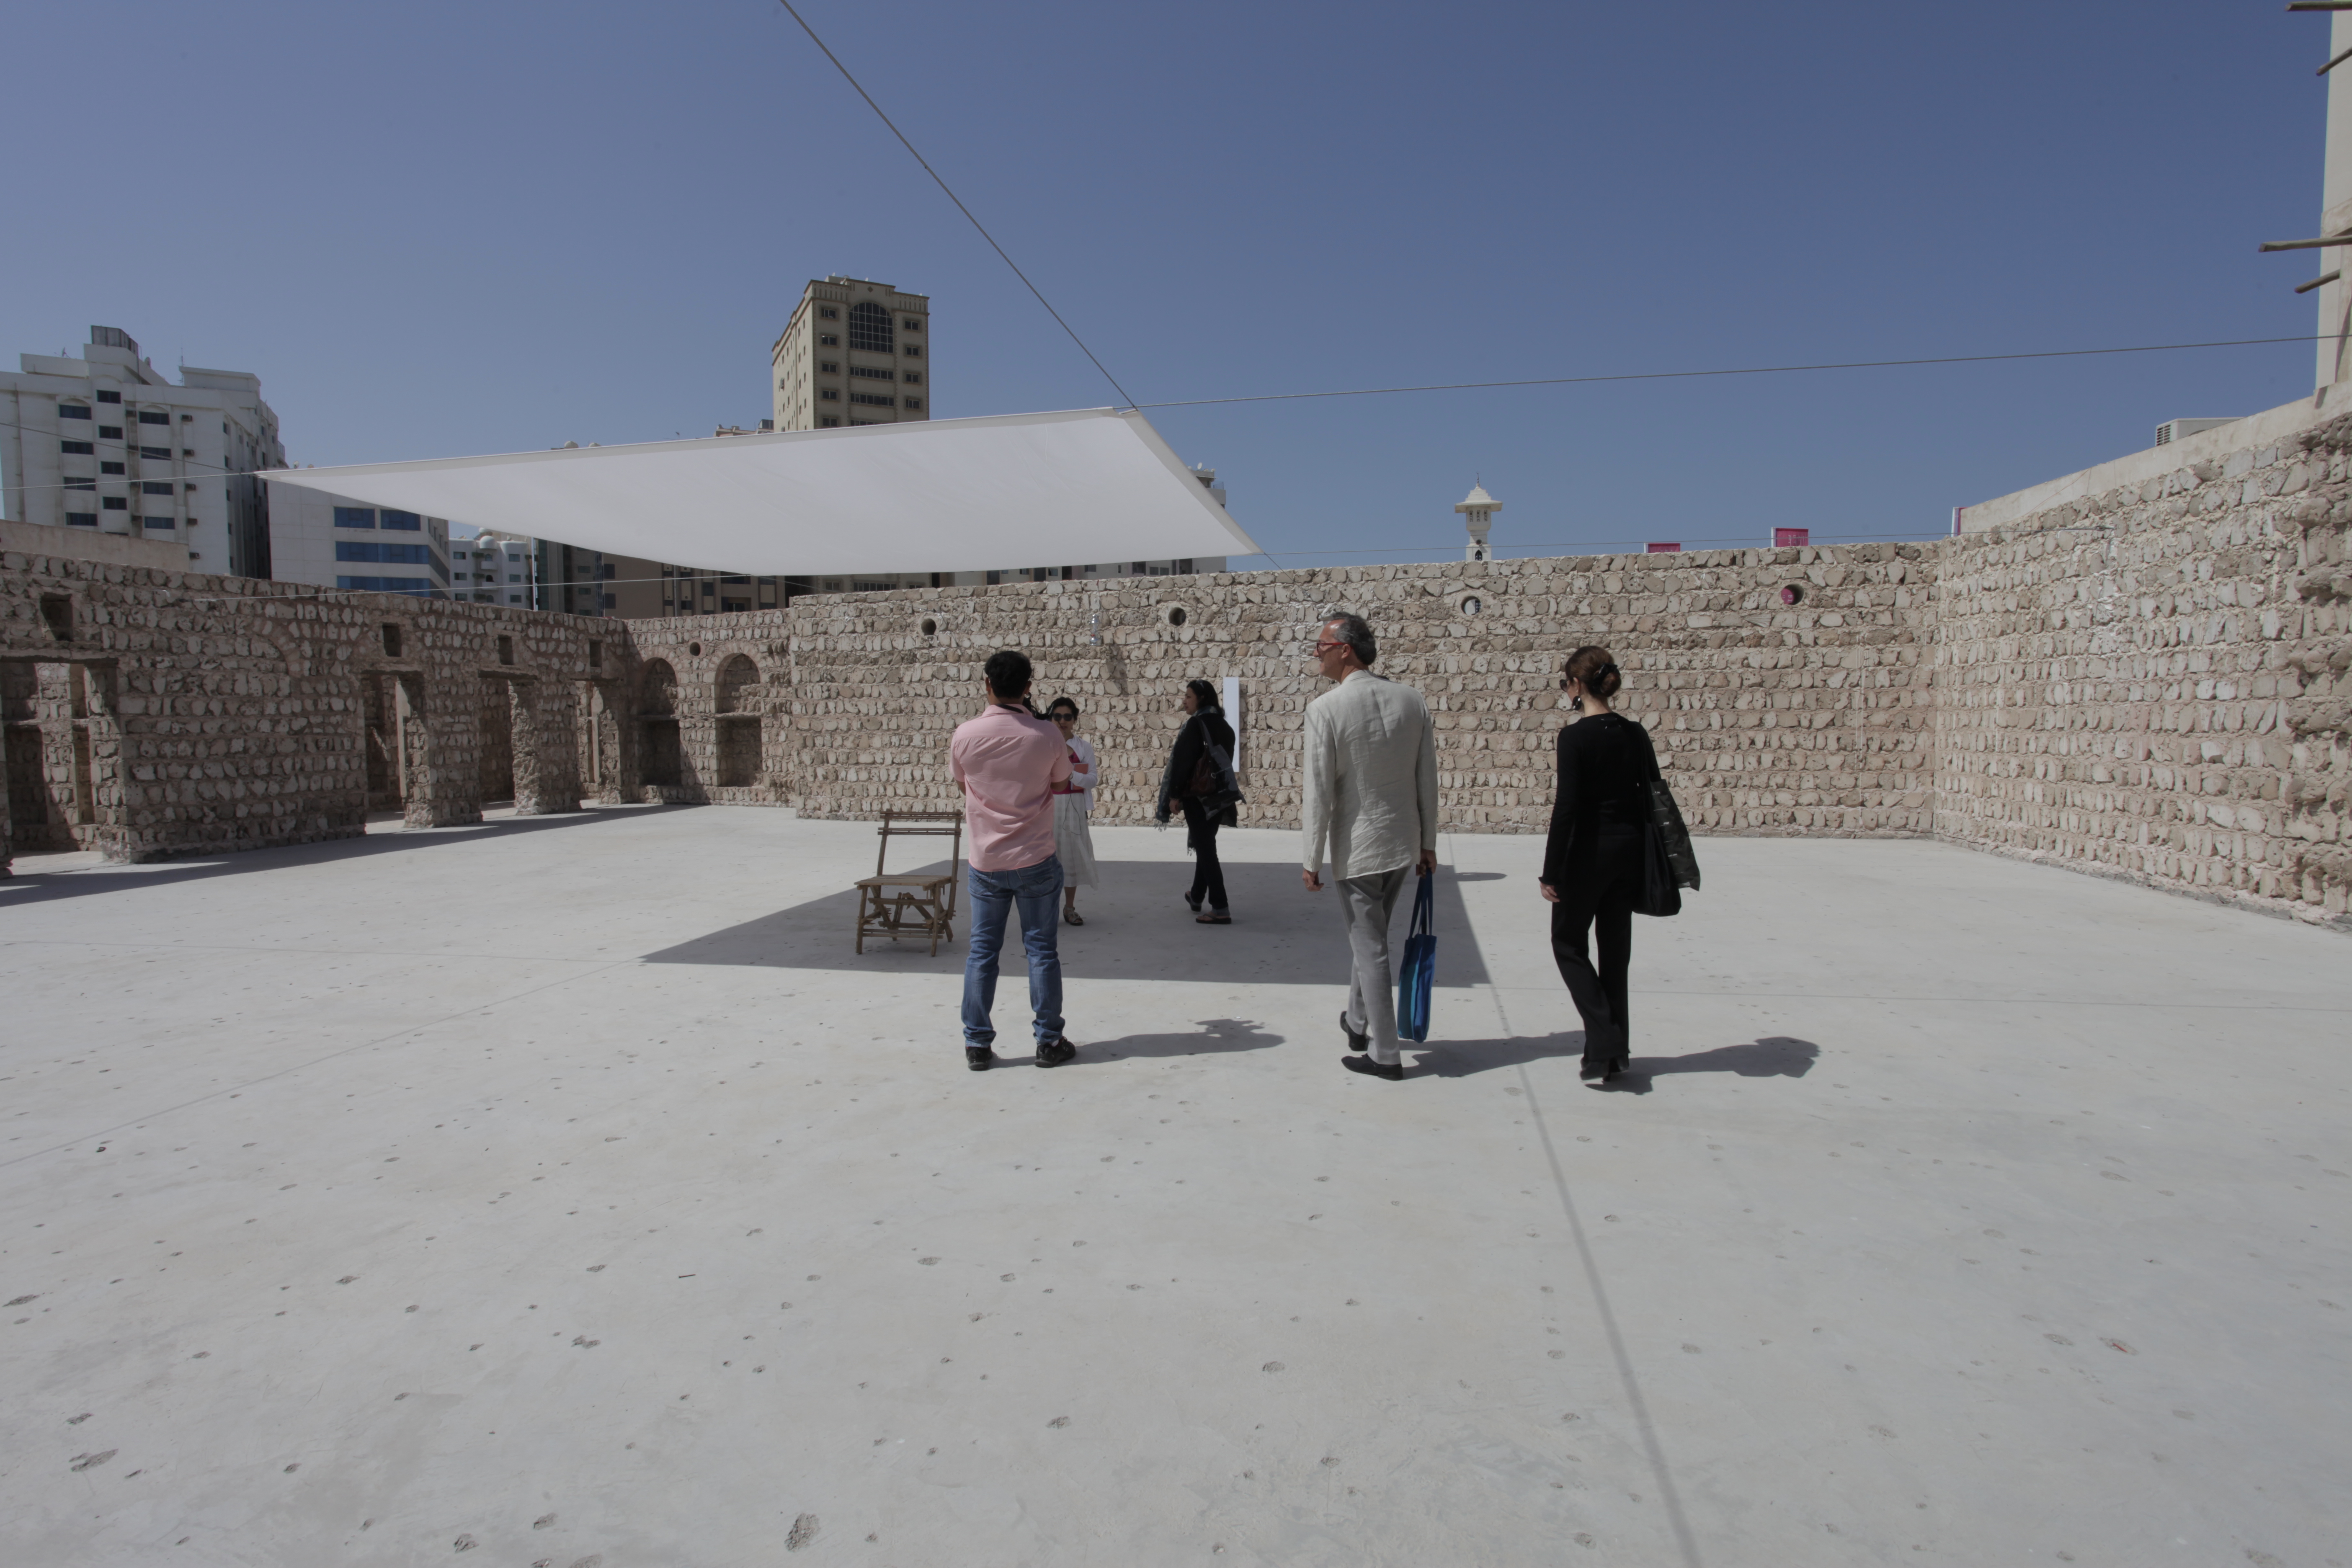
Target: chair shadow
[(1218, 1037), (1774, 1056)]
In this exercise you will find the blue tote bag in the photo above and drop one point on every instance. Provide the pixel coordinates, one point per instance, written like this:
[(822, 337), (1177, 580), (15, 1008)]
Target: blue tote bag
[(1418, 974)]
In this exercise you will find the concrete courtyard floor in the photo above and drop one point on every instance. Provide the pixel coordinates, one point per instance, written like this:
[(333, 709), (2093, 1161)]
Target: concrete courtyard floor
[(565, 1191)]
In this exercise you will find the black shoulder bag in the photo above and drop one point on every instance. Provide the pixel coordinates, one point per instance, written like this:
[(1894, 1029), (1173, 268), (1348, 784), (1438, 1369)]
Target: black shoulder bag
[(1669, 865)]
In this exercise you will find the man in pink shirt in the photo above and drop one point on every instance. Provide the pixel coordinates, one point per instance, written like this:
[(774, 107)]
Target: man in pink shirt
[(1008, 761)]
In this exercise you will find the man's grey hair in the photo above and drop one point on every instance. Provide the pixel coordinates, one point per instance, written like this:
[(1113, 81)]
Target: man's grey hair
[(1356, 632)]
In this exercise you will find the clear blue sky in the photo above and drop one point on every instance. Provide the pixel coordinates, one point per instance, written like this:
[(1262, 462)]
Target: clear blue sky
[(437, 229)]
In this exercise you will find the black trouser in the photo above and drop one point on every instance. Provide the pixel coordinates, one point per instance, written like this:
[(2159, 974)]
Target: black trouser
[(1208, 875), (1604, 878)]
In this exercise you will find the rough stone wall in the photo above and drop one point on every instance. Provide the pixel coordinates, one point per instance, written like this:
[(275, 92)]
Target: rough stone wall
[(224, 713), (2152, 681), (1770, 717), (698, 649)]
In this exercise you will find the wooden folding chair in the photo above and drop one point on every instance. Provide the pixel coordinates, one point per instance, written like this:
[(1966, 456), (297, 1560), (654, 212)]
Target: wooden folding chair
[(911, 904)]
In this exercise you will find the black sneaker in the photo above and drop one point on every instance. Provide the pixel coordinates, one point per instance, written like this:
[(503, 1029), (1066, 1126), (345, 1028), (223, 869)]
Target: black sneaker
[(979, 1058), (1356, 1041), (1054, 1052), (1393, 1071)]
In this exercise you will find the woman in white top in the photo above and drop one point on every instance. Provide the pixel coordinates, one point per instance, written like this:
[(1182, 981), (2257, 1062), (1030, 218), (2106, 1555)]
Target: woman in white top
[(1073, 803)]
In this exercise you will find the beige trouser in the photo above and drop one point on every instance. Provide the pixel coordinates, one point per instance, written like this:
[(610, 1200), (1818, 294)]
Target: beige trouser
[(1368, 904)]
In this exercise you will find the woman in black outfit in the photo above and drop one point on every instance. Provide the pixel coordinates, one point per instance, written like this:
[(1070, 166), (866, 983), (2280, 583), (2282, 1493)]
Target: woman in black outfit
[(1592, 861), (1206, 724)]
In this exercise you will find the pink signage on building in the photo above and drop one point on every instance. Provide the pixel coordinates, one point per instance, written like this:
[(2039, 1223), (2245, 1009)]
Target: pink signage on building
[(1784, 537), (1658, 548)]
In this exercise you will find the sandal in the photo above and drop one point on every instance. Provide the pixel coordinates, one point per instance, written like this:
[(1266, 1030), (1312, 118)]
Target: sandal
[(1213, 917), (1072, 916)]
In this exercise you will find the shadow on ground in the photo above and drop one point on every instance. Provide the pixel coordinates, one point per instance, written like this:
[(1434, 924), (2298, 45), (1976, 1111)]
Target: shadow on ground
[(1218, 1037), (30, 885), (1138, 927), (1775, 1056)]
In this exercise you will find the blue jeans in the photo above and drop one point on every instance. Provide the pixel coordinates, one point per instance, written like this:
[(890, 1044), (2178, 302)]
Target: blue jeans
[(993, 895)]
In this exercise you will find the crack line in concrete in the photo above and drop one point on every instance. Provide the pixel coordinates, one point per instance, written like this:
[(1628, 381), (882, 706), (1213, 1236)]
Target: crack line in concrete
[(2011, 1001), (1625, 1374), (297, 1066)]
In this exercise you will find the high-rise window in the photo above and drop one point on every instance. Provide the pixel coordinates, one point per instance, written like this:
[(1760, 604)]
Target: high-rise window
[(72, 411), (110, 398), (404, 519), (83, 449), (871, 373), (369, 550), (878, 400), (869, 327), (155, 488), (356, 517), (153, 416), (110, 432), (156, 453)]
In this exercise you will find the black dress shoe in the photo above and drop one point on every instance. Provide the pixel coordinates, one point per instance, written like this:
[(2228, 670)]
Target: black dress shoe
[(979, 1058), (1393, 1071), (1356, 1041), (1054, 1052), (1593, 1068)]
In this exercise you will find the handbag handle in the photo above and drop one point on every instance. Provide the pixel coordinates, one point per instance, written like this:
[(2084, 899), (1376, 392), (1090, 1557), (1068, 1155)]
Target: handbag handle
[(1425, 907)]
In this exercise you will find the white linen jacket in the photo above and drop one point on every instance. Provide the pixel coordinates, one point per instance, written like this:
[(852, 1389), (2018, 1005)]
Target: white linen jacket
[(1372, 776)]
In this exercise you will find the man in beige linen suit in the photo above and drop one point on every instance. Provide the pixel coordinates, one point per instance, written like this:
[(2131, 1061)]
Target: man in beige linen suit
[(1371, 793)]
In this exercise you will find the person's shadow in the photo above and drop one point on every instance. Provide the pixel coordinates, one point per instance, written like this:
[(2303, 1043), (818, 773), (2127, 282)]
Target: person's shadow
[(1774, 1056), (1218, 1037)]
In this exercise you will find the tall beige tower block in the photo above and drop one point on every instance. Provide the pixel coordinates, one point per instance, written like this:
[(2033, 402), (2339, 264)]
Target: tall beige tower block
[(855, 353), (2335, 212)]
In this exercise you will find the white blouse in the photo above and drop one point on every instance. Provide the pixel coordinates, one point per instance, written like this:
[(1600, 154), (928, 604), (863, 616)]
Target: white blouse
[(1083, 750)]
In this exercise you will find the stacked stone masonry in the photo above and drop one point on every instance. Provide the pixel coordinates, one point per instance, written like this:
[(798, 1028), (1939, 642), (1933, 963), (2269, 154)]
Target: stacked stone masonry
[(2150, 684)]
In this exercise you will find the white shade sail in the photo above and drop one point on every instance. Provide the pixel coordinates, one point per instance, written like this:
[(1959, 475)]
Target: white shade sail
[(943, 495)]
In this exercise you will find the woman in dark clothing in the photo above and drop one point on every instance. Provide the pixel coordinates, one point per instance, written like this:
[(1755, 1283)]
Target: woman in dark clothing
[(1205, 727), (1592, 861)]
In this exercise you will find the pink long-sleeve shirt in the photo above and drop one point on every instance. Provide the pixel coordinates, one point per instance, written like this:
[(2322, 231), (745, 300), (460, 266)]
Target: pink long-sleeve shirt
[(1008, 764)]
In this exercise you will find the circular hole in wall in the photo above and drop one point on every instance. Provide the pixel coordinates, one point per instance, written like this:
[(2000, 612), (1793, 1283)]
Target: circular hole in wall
[(1176, 616), (931, 626), (1471, 605), (694, 650), (1794, 594)]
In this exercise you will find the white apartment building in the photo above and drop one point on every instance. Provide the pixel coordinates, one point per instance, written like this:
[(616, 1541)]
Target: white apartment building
[(105, 442), (335, 542), (855, 353), (494, 567)]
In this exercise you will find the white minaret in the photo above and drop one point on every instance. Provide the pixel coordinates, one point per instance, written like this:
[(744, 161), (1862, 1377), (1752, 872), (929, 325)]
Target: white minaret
[(1478, 510)]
